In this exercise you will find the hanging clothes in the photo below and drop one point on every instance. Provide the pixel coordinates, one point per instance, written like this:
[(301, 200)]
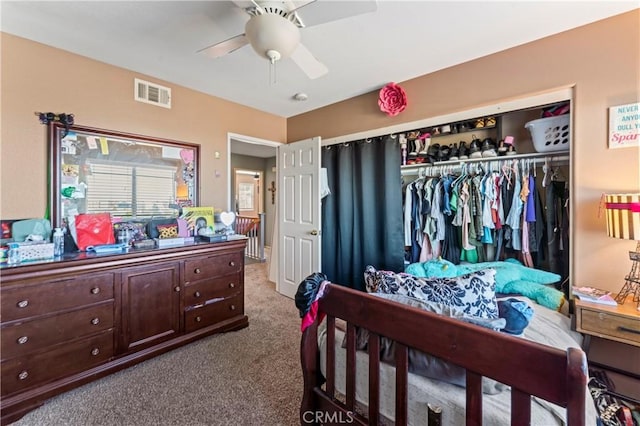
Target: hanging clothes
[(484, 215)]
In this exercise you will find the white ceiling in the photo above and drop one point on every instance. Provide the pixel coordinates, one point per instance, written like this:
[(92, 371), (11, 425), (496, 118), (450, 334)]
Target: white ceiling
[(399, 41)]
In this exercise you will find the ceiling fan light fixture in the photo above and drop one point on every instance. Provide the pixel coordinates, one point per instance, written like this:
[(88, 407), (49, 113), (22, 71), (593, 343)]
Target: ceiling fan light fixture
[(272, 35)]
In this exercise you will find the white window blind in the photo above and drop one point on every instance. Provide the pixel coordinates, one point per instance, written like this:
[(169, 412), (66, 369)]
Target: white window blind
[(154, 191), (130, 190)]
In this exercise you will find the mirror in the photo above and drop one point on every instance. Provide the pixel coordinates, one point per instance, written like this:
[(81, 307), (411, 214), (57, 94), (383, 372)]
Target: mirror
[(129, 176)]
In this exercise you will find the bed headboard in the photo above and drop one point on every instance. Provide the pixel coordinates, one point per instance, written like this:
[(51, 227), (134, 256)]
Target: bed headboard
[(528, 367)]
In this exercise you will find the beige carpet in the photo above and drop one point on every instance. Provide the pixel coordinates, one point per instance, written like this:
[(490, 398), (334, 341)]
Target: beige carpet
[(246, 377)]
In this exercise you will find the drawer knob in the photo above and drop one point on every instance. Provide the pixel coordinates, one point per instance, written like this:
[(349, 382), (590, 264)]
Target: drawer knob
[(22, 340), (231, 285), (602, 315), (198, 319), (232, 263), (95, 290), (177, 288), (23, 304), (23, 375), (232, 307), (95, 351), (196, 294), (95, 321), (196, 271)]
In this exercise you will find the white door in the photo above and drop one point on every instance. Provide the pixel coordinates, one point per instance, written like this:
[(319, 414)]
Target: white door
[(298, 215)]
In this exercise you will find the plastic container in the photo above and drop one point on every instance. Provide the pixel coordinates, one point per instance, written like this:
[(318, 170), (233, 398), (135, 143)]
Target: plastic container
[(58, 242), (34, 250), (551, 133)]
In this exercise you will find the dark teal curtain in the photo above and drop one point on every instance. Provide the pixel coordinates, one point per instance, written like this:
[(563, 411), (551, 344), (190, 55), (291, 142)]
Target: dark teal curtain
[(362, 221)]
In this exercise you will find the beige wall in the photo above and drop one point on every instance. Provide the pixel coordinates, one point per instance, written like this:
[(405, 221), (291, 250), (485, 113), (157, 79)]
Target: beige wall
[(36, 77), (601, 61)]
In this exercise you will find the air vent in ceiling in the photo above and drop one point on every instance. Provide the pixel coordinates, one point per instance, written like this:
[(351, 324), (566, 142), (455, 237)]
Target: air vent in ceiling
[(152, 93)]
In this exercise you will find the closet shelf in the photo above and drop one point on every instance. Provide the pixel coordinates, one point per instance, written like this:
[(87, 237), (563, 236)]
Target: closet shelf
[(557, 156), (462, 132)]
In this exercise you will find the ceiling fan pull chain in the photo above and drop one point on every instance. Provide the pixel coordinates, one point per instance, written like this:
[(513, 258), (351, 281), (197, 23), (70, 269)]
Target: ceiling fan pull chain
[(272, 73)]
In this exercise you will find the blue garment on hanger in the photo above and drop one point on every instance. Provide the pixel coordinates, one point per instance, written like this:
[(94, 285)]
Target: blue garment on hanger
[(446, 193)]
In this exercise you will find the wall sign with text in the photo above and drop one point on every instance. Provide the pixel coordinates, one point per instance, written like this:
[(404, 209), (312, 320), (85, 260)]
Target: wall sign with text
[(624, 126)]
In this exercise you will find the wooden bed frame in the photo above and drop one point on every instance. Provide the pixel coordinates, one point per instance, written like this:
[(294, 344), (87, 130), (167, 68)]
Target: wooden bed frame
[(482, 352)]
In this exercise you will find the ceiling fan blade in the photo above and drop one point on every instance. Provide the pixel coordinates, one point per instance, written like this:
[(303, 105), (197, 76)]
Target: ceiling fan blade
[(319, 12), (225, 47), (308, 63)]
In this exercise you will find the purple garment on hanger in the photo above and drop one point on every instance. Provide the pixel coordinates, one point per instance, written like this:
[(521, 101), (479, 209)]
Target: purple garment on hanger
[(531, 207)]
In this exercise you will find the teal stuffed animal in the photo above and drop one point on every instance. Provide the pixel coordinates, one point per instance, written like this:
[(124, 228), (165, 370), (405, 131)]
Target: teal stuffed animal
[(511, 277)]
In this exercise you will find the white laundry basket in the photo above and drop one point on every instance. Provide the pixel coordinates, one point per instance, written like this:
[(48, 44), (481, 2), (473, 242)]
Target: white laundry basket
[(550, 133)]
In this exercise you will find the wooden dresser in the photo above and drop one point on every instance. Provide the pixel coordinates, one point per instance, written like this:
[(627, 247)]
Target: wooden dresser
[(66, 323)]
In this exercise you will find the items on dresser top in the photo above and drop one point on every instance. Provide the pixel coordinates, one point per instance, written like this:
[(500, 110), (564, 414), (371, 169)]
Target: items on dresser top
[(95, 234)]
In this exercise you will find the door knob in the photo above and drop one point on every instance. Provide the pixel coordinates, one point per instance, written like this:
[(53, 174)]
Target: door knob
[(314, 232)]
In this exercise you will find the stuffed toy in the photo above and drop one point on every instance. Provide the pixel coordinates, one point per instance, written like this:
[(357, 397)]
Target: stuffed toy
[(511, 277)]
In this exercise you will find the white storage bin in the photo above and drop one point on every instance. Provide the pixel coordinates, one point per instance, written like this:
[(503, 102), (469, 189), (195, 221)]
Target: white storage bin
[(550, 133), (35, 251)]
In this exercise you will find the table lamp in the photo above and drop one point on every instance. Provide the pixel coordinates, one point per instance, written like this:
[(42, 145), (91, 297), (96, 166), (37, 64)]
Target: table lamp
[(623, 221)]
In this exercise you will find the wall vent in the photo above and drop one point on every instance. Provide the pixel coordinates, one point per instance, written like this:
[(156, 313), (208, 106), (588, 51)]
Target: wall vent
[(152, 93)]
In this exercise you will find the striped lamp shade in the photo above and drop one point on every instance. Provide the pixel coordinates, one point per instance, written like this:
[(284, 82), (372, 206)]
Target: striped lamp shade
[(623, 216)]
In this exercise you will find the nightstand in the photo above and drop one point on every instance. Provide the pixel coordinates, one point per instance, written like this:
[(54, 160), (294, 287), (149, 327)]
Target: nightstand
[(620, 323), (612, 341)]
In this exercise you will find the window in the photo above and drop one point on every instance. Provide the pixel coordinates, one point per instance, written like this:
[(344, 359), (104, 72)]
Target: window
[(130, 191), (245, 196)]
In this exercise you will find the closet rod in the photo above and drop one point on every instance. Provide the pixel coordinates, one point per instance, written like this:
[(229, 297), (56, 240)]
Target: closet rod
[(415, 168)]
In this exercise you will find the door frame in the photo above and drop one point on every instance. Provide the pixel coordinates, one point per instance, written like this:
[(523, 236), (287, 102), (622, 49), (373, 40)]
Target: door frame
[(244, 139)]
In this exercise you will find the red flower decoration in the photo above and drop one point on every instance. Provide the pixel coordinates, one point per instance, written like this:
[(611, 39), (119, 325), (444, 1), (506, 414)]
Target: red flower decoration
[(392, 99)]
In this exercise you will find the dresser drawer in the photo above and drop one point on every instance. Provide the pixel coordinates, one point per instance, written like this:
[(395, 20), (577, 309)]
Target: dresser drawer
[(213, 288), (213, 266), (607, 324), (55, 295), (23, 337), (213, 313), (31, 370)]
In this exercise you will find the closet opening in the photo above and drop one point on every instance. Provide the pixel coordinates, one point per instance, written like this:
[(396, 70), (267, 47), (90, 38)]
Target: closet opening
[(504, 124)]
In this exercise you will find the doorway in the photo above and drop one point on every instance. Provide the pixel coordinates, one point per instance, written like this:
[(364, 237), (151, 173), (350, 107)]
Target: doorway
[(253, 155)]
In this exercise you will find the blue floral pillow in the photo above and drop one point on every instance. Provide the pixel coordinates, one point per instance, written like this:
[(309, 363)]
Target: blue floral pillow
[(474, 293)]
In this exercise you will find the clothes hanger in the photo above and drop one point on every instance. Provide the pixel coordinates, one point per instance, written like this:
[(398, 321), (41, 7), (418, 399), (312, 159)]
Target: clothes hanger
[(507, 171), (463, 174)]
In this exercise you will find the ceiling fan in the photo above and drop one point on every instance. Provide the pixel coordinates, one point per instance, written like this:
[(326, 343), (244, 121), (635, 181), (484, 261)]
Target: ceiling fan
[(273, 29)]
